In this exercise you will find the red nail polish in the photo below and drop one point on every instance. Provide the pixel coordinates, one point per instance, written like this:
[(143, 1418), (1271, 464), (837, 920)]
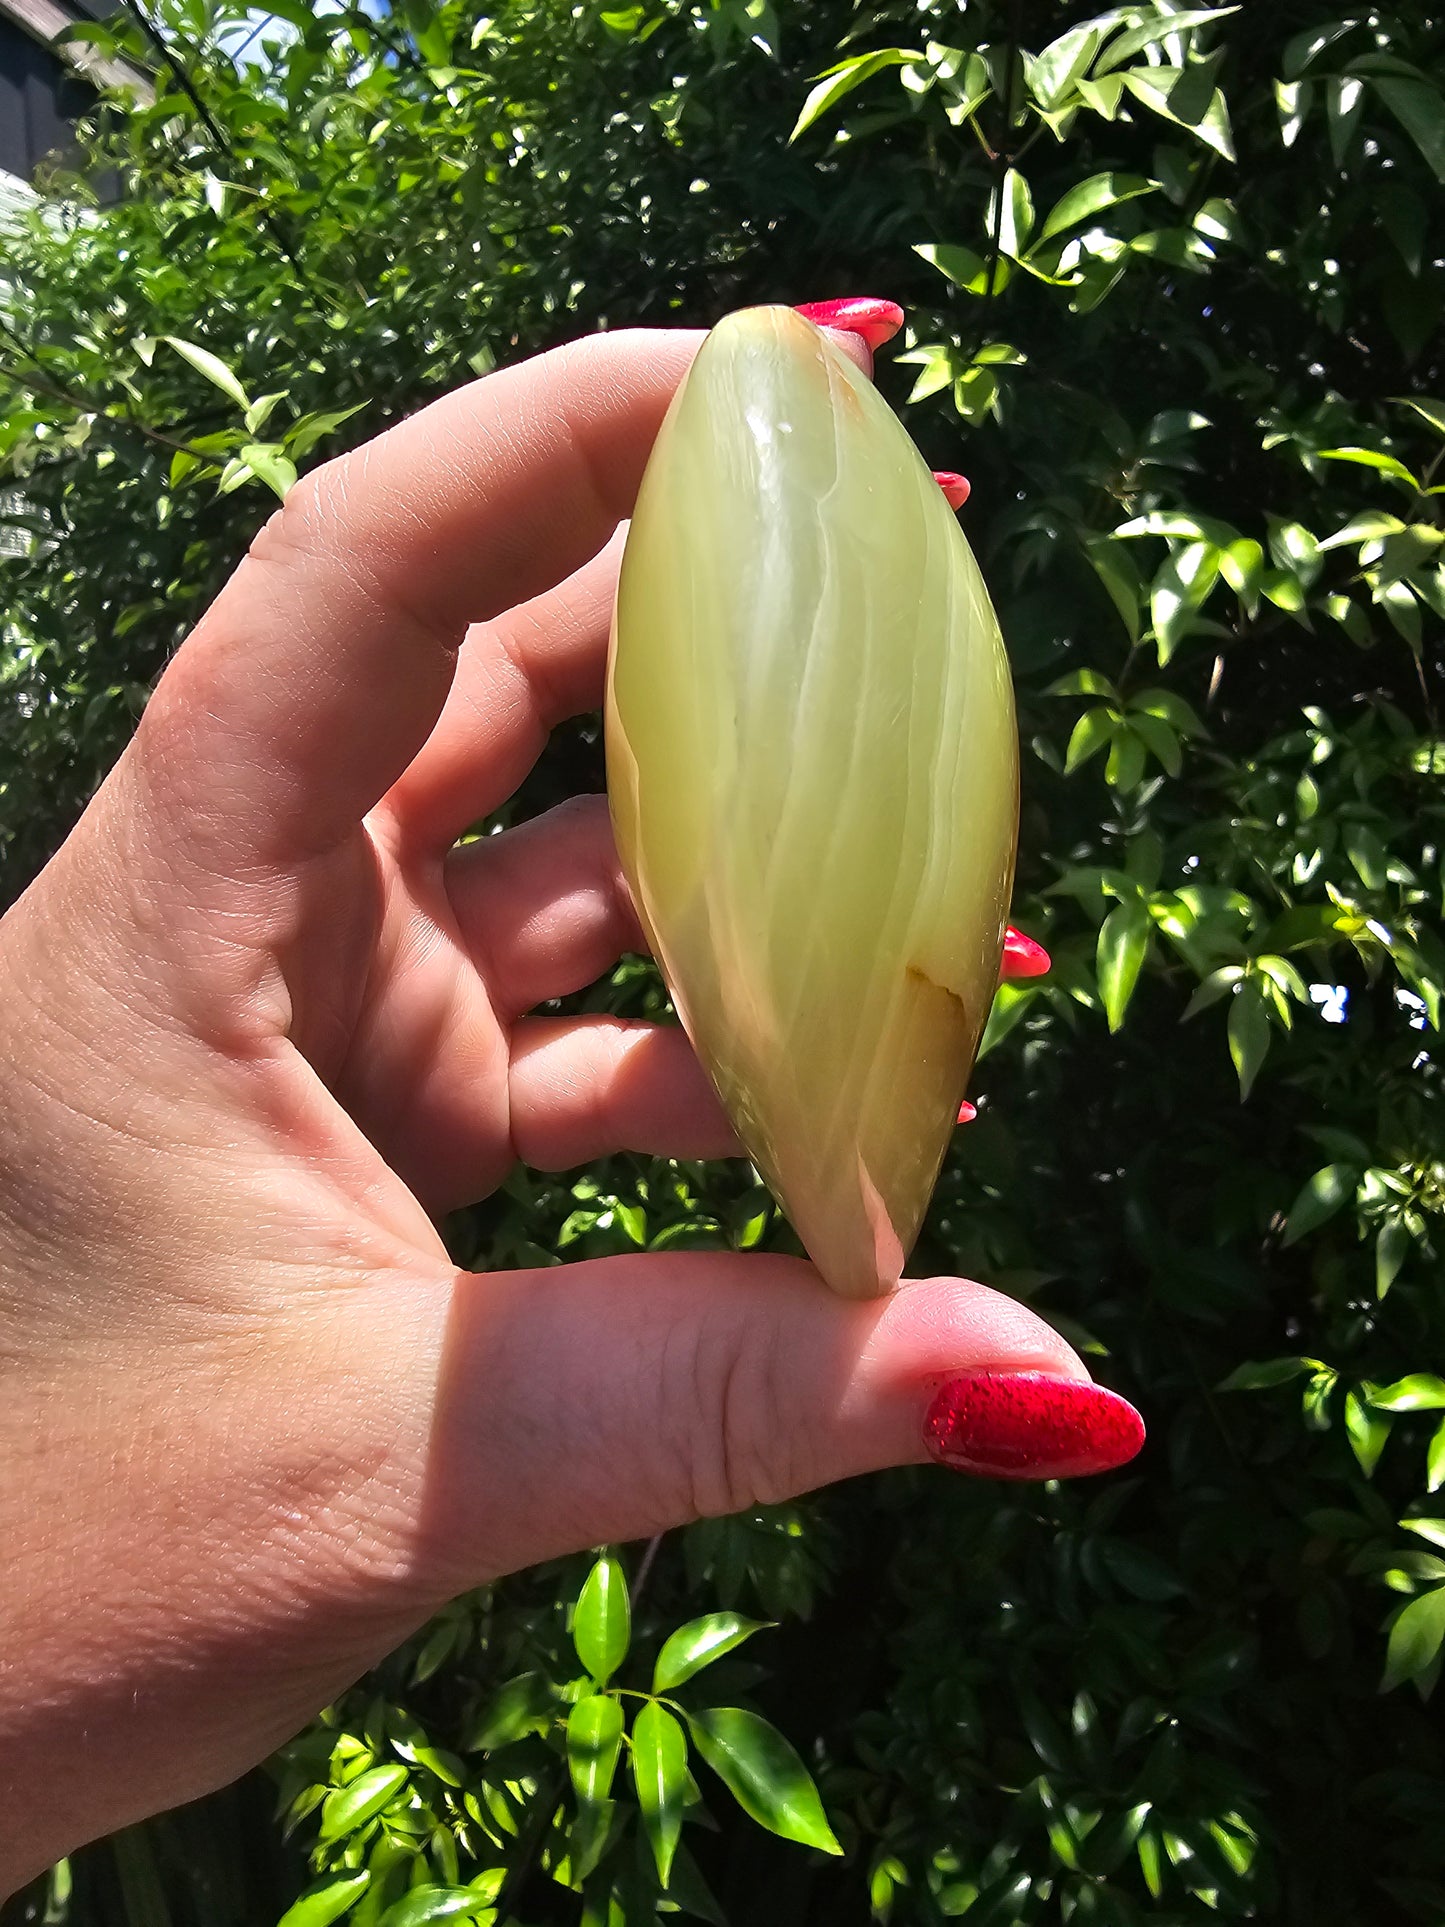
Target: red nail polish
[(863, 314), (1022, 957), (967, 1112), (1029, 1425), (956, 489)]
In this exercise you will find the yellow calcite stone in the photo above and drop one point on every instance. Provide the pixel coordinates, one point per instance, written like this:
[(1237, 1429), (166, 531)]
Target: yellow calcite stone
[(812, 760)]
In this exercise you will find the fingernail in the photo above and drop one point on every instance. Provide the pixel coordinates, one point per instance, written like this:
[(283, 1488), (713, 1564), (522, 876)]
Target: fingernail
[(1022, 957), (967, 1112), (1029, 1425), (860, 314), (955, 488)]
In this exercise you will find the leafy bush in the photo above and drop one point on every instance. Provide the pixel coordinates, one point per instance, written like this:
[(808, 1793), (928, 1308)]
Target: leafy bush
[(1175, 283)]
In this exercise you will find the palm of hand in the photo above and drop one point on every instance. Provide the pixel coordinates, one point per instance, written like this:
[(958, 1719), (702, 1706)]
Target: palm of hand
[(293, 1018)]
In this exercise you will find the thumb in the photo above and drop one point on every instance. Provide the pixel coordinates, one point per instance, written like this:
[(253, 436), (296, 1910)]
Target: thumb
[(608, 1401), (321, 668)]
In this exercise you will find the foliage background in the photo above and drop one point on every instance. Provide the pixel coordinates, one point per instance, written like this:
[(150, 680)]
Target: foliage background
[(1174, 280)]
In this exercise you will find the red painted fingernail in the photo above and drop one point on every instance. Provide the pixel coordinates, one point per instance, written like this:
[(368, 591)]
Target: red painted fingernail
[(956, 489), (860, 314), (967, 1112), (1022, 957), (1029, 1425)]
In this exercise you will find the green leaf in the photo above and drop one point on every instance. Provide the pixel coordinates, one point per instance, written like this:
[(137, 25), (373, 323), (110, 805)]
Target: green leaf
[(1215, 986), (1293, 100), (1266, 1374), (425, 1905), (1151, 1862), (1172, 708), (1103, 94), (659, 1771), (1248, 1030), (964, 268), (633, 1220), (1370, 458), (1320, 1197), (1344, 103), (1052, 74), (446, 1766), (1435, 1459), (1122, 947), (1392, 1247), (763, 1774), (1150, 32), (1082, 682), (350, 1807), (594, 1741), (1431, 1529), (1115, 568), (212, 367), (1419, 1392), (1420, 110), (1125, 766), (1430, 411), (1015, 215), (1307, 46), (1184, 580), (1368, 527), (303, 434), (1091, 197), (326, 1900), (1241, 564), (260, 412), (269, 465), (1011, 1004), (1415, 1638), (1159, 739), (590, 1835), (940, 365), (526, 1704), (1367, 1431), (1091, 732), (1158, 89), (698, 1644), (840, 81), (602, 1625)]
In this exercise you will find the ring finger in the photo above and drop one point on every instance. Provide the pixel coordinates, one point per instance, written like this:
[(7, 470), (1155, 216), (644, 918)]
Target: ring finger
[(543, 909)]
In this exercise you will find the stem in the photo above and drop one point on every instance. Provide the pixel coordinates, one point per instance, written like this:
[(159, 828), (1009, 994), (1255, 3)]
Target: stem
[(183, 79), (272, 223), (644, 1571), (1000, 158), (57, 392)]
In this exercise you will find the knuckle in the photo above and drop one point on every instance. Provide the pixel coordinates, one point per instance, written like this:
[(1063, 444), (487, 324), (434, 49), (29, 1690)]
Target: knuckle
[(728, 1417)]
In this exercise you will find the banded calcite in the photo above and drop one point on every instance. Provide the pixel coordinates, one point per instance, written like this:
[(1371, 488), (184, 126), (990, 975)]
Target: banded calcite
[(812, 760)]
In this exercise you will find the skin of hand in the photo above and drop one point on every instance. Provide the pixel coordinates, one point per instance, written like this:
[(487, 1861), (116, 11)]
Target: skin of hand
[(261, 1019)]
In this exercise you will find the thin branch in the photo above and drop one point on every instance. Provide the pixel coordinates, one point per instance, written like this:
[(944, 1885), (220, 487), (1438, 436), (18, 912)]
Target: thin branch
[(1001, 161), (183, 79), (644, 1571), (170, 54), (43, 385)]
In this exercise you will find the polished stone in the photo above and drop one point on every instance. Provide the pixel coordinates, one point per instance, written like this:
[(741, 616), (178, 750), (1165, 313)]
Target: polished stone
[(813, 768)]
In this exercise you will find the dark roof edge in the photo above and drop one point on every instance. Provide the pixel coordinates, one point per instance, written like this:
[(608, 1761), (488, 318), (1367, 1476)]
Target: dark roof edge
[(44, 19)]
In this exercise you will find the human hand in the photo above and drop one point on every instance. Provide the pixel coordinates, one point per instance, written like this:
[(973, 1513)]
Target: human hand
[(259, 1018)]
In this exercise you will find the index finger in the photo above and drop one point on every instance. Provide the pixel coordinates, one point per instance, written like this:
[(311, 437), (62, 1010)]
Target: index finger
[(323, 665)]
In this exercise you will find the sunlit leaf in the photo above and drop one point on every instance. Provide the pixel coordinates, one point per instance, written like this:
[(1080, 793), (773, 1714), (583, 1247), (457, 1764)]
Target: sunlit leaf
[(1415, 1638), (602, 1624), (698, 1644), (659, 1772), (841, 80), (764, 1774)]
